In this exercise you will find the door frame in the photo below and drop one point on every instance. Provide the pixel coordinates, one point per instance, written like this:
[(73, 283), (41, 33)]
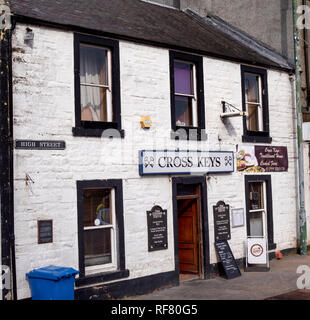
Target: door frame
[(269, 211), (201, 181)]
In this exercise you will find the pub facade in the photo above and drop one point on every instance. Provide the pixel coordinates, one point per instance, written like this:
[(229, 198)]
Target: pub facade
[(135, 153)]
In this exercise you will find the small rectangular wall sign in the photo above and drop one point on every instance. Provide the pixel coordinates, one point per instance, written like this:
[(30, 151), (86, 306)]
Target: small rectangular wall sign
[(221, 213), (40, 145), (237, 217), (45, 231), (157, 229)]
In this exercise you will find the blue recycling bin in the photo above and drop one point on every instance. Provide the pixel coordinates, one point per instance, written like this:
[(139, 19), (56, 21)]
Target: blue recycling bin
[(52, 283)]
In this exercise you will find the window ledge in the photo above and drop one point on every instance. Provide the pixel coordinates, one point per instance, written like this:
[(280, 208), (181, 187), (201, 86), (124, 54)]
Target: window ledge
[(190, 134), (99, 133), (102, 277), (256, 139)]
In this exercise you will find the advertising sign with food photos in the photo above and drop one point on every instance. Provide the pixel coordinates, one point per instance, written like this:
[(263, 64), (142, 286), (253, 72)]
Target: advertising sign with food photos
[(259, 159)]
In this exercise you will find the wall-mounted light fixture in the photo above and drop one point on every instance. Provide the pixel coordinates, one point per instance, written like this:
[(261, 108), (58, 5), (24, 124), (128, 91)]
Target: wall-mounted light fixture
[(29, 37), (146, 122)]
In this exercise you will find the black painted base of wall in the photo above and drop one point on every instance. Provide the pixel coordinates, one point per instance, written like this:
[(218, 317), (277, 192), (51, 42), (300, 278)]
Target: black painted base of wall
[(256, 269), (128, 288)]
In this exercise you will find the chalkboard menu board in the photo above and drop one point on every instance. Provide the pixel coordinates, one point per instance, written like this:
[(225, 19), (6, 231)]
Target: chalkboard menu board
[(221, 221), (227, 259), (45, 231), (157, 229)]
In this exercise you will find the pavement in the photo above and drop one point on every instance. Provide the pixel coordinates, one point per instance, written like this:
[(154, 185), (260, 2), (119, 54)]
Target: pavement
[(277, 284)]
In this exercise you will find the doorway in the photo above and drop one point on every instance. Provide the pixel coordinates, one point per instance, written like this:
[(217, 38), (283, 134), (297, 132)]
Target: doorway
[(259, 212), (190, 239)]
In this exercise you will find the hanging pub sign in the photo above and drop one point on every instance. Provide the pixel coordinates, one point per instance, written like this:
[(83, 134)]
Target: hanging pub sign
[(157, 229), (221, 215), (254, 159), (40, 145), (185, 162)]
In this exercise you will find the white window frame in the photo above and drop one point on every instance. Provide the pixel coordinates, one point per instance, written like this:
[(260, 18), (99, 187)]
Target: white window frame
[(109, 80), (259, 105), (262, 210), (113, 265), (193, 96)]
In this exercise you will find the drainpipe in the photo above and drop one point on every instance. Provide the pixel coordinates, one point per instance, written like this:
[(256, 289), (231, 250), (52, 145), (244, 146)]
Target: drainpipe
[(306, 52), (6, 164), (302, 225)]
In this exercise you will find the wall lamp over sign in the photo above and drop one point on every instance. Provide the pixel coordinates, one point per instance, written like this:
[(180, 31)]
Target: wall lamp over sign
[(29, 37), (146, 122)]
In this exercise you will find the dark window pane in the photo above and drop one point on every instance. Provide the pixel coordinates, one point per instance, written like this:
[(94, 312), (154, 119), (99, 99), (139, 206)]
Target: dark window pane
[(183, 78), (256, 196), (187, 189), (96, 207), (256, 224), (97, 246), (93, 104), (253, 117), (93, 65), (252, 87), (183, 111)]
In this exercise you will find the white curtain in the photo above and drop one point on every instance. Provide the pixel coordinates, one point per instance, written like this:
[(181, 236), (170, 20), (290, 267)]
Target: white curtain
[(93, 70)]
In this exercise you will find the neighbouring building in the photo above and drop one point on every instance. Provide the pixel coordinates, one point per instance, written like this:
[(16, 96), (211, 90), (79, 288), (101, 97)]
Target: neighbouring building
[(303, 36), (133, 126), (268, 21)]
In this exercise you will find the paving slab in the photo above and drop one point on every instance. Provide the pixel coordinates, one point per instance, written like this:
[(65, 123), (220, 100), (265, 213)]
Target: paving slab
[(281, 279)]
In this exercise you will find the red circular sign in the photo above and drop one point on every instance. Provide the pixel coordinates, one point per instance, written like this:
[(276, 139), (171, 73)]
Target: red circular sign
[(257, 250)]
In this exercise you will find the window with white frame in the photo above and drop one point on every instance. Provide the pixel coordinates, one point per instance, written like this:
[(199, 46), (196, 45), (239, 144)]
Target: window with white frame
[(99, 225), (101, 231), (254, 104), (96, 83), (257, 209), (185, 90), (97, 86), (187, 96)]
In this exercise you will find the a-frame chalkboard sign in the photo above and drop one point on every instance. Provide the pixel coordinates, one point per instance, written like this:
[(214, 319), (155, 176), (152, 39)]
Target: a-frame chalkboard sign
[(227, 259)]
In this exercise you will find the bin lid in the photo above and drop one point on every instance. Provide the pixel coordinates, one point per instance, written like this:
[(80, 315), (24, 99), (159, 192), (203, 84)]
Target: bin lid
[(52, 273)]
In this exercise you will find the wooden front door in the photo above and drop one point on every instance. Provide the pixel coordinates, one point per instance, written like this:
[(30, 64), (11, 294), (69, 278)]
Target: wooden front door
[(188, 235)]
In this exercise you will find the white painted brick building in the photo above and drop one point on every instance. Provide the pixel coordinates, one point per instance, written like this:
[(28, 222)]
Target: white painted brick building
[(45, 181)]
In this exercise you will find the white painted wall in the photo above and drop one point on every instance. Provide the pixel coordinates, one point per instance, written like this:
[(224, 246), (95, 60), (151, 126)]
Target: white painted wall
[(44, 109)]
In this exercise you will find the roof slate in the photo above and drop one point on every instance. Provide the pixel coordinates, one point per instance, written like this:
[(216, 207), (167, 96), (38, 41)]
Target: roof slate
[(140, 21)]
